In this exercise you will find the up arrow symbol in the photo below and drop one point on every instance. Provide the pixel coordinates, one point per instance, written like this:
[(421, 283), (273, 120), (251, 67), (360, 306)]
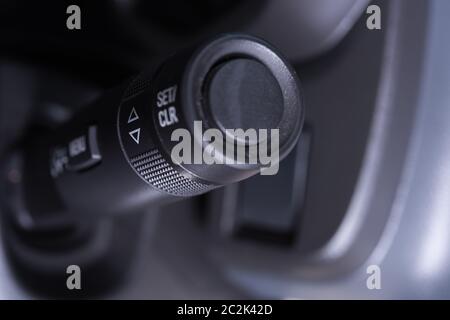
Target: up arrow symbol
[(133, 116)]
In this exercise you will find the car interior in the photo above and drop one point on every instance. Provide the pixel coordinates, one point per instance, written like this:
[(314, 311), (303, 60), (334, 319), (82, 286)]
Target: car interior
[(91, 93)]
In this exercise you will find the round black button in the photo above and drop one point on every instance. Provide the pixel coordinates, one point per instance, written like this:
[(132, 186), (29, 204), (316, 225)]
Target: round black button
[(243, 93)]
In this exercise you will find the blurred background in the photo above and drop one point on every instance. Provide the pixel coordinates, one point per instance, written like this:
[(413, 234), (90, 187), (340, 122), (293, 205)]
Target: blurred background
[(367, 185)]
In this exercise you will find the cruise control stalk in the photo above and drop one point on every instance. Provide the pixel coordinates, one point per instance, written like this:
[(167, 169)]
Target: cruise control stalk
[(132, 147)]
